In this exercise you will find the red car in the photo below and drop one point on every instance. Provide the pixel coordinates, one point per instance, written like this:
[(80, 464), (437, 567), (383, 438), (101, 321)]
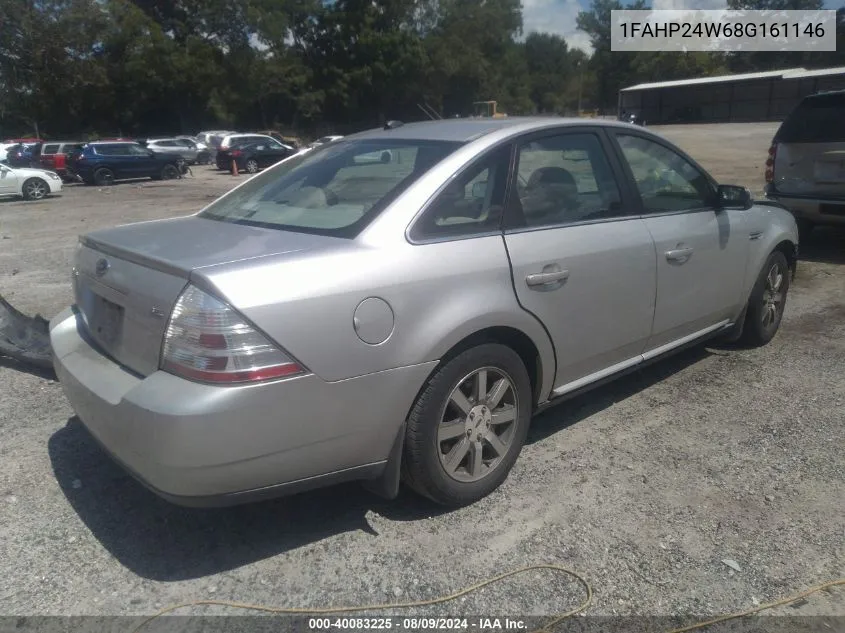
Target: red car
[(54, 157)]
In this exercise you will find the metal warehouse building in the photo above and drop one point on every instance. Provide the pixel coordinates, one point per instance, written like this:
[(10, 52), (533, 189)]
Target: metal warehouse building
[(765, 96)]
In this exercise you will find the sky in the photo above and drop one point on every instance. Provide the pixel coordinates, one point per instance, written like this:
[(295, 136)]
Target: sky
[(558, 16)]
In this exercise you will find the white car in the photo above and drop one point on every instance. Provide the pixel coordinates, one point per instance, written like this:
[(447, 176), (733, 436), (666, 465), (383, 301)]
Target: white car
[(325, 139), (31, 184)]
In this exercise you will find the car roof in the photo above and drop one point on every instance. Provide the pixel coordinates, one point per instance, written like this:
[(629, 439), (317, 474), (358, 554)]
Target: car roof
[(469, 129)]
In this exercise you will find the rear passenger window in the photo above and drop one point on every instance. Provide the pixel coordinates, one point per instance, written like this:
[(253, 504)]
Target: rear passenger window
[(665, 179), (563, 179), (472, 204), (50, 149)]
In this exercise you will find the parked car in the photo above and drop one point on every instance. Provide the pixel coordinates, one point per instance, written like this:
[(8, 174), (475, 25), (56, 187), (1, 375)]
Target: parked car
[(24, 155), (250, 157), (805, 170), (203, 152), (224, 161), (103, 163), (54, 157), (323, 140), (328, 320), (4, 147), (174, 147), (28, 183)]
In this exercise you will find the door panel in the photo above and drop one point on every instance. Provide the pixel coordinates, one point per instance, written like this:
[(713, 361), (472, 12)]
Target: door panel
[(700, 271), (701, 250), (8, 181), (601, 313), (581, 263)]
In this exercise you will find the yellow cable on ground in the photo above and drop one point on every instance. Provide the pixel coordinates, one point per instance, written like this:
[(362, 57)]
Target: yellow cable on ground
[(396, 605), (762, 607), (439, 600)]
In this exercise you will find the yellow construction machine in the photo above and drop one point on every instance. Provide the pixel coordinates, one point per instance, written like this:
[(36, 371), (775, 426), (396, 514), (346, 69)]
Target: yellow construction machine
[(487, 109)]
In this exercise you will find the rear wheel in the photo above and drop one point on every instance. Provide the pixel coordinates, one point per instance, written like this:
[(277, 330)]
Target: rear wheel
[(35, 189), (169, 172), (767, 302), (104, 177), (468, 426), (252, 166)]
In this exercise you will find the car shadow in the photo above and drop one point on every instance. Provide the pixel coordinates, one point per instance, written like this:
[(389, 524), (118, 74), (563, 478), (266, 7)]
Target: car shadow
[(577, 408), (161, 541), (824, 244), (27, 368)]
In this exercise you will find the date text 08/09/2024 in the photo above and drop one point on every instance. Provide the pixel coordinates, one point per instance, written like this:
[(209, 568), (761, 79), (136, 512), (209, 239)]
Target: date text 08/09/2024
[(418, 624)]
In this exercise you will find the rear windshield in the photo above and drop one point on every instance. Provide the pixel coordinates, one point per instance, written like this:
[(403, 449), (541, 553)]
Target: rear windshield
[(335, 190), (50, 148), (817, 119)]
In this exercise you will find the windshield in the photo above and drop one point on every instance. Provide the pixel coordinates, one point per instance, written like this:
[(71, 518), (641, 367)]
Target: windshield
[(334, 190)]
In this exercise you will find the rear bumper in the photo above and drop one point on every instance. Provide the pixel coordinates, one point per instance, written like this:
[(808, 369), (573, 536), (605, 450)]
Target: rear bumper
[(815, 210), (207, 445)]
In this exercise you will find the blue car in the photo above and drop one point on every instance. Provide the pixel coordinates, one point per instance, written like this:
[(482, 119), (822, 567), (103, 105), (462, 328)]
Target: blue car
[(24, 155), (104, 162)]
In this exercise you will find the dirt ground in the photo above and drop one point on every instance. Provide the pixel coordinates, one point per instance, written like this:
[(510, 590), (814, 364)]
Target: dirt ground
[(645, 486)]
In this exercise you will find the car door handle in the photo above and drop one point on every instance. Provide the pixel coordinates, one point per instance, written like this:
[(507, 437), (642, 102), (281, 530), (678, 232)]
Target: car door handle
[(542, 279), (679, 254)]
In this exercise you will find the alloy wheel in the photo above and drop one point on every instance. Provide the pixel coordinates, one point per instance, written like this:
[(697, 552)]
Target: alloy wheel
[(772, 296), (478, 424), (35, 189)]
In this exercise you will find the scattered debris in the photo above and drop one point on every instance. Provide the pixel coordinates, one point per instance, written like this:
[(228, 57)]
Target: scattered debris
[(732, 564)]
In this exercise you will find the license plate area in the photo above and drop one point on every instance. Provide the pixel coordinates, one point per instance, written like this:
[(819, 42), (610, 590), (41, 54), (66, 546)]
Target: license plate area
[(830, 172), (106, 322)]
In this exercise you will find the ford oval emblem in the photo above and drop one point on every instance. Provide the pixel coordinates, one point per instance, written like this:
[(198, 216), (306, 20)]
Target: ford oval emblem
[(101, 267)]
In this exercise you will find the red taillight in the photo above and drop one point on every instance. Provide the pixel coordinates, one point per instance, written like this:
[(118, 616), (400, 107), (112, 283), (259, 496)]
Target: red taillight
[(236, 152), (207, 340), (770, 163)]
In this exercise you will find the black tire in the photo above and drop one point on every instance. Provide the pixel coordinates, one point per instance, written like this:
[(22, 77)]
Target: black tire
[(169, 172), (35, 189), (765, 310), (251, 166), (103, 177), (421, 463)]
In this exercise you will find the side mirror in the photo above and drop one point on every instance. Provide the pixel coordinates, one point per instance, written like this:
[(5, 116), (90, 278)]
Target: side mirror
[(734, 197)]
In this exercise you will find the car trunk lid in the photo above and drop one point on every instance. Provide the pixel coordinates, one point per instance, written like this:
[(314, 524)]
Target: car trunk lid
[(127, 279)]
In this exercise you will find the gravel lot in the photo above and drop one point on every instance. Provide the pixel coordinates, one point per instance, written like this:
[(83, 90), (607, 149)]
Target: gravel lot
[(645, 485)]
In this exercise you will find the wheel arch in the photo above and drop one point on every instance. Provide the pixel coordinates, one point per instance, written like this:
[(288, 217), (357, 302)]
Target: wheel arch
[(539, 364), (790, 251)]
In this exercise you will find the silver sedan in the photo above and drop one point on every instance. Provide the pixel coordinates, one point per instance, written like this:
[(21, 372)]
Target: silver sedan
[(337, 318)]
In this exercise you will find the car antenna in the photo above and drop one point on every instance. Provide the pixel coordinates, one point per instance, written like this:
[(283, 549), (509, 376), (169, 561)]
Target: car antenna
[(392, 125)]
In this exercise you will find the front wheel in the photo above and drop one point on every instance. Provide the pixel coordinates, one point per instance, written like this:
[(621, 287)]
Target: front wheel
[(767, 302), (35, 189), (468, 426)]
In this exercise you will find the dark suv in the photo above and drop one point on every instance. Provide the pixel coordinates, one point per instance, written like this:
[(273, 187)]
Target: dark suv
[(805, 170), (102, 163)]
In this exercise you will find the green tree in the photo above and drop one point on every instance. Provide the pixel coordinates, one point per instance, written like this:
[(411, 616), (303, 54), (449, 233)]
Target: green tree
[(613, 70)]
